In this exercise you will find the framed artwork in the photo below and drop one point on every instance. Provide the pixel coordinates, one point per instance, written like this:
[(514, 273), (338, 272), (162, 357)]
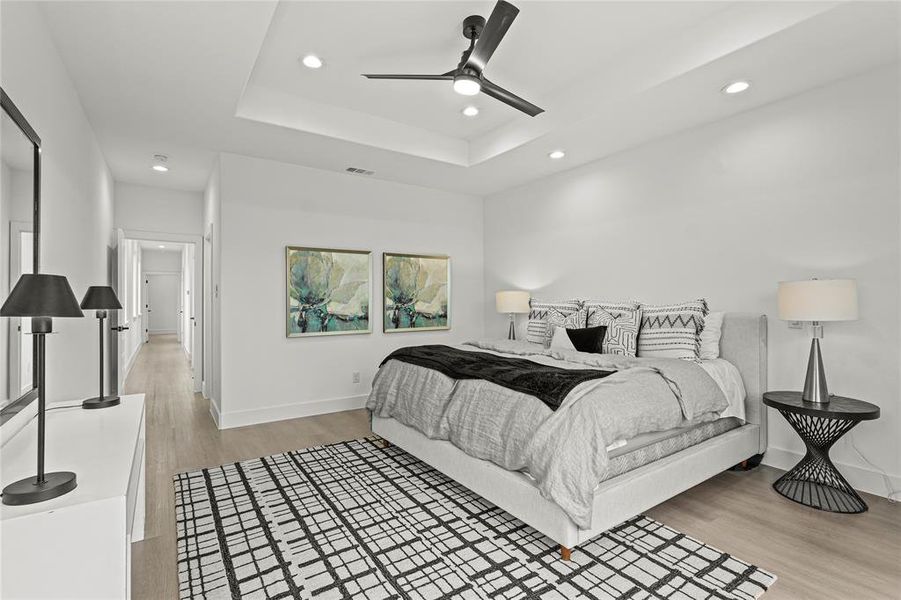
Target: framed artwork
[(416, 292), (329, 292)]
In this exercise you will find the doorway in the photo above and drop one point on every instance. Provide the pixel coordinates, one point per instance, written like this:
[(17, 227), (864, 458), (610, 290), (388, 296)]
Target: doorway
[(158, 286), (162, 303)]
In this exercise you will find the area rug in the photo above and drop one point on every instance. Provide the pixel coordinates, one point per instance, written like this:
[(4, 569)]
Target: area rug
[(353, 520)]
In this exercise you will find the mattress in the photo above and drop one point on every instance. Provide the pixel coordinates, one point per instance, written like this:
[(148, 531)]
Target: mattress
[(646, 448)]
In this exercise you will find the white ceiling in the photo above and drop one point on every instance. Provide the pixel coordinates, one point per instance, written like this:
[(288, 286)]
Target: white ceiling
[(190, 79), (426, 37)]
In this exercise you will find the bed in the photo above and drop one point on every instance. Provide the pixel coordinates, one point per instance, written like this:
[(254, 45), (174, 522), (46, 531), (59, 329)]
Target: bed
[(641, 480)]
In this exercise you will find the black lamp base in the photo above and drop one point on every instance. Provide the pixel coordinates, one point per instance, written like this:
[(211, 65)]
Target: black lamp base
[(29, 491), (102, 402)]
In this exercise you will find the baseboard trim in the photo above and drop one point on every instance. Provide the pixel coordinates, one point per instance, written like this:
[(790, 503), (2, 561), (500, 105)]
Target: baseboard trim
[(860, 478), (214, 412), (242, 418)]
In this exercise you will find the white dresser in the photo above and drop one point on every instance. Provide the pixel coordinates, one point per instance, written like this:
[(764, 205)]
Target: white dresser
[(77, 545)]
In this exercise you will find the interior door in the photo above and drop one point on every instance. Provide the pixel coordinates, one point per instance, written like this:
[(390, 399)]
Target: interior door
[(162, 302)]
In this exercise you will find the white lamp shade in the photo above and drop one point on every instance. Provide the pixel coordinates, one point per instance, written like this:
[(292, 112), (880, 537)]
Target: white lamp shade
[(512, 301), (818, 300)]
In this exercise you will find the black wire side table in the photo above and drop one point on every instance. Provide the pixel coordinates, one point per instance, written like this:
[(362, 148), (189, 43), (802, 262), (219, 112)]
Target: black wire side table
[(815, 481)]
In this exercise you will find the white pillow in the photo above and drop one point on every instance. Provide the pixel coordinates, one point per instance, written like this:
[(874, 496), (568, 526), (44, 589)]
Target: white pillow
[(710, 335), (561, 339)]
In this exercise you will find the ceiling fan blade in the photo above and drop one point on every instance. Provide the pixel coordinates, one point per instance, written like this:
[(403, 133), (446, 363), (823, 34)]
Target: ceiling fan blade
[(397, 76), (499, 93), (494, 31)]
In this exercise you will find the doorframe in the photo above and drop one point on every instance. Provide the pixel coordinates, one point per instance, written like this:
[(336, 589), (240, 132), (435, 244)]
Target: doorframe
[(197, 240)]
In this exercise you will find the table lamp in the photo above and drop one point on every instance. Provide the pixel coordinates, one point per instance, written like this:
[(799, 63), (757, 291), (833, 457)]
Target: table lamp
[(512, 302), (101, 298), (40, 297), (816, 301)]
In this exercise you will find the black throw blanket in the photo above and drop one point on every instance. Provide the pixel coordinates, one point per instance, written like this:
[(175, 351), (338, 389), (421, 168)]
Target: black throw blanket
[(551, 385)]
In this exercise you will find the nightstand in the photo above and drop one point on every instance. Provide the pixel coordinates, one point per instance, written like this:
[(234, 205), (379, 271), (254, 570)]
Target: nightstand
[(815, 481)]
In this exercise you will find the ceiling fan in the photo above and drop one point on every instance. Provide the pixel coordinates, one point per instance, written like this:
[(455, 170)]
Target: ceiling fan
[(468, 76)]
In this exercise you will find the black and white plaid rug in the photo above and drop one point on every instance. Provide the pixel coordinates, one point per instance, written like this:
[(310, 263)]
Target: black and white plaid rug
[(352, 520)]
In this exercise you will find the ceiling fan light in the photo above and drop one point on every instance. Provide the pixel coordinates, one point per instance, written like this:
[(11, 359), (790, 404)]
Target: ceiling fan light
[(467, 85)]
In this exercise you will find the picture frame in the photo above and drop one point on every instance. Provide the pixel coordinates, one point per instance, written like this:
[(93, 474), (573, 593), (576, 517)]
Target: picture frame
[(416, 292), (328, 291)]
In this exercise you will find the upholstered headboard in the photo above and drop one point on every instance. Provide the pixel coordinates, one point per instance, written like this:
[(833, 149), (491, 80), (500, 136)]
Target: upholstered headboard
[(743, 343)]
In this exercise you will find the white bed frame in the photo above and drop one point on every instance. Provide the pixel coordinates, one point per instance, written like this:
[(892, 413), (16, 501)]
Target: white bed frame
[(743, 343)]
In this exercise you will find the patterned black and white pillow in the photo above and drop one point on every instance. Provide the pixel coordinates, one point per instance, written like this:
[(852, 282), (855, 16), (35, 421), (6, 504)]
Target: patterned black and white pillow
[(622, 319), (537, 330), (555, 319), (672, 330)]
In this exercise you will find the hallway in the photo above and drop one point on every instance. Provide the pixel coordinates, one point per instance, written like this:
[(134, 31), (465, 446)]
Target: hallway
[(181, 436)]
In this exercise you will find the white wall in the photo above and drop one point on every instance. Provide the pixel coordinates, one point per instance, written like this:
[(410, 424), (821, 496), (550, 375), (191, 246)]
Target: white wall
[(268, 205), (162, 261), (807, 186), (77, 190), (5, 201), (144, 208)]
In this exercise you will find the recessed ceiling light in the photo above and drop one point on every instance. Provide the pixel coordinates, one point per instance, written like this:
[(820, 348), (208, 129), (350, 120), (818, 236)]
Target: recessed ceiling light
[(557, 154), (159, 163), (467, 85), (160, 246), (736, 87), (312, 61), (470, 111)]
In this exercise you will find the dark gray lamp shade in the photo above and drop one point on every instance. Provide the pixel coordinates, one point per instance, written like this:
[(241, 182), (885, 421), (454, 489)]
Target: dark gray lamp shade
[(100, 297), (41, 296)]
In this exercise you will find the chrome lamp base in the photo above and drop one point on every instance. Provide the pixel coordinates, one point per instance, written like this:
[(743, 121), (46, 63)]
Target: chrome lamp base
[(511, 332), (815, 389)]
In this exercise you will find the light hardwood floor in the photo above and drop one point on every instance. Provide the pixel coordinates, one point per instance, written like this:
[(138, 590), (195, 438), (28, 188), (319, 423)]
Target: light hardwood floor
[(815, 554)]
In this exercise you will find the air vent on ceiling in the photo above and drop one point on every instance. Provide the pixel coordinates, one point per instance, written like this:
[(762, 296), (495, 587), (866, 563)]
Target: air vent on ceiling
[(357, 171)]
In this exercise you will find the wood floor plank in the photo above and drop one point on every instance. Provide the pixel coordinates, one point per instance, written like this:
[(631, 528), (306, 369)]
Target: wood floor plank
[(815, 554)]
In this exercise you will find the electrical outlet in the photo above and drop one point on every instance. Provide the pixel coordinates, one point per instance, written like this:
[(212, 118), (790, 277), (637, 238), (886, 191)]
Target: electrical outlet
[(795, 325), (356, 377)]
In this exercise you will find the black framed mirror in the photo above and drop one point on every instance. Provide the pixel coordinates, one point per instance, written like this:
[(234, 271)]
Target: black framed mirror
[(20, 219)]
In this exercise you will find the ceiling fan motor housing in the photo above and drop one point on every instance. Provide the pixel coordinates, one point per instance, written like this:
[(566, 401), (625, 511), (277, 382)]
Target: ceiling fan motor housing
[(472, 26)]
